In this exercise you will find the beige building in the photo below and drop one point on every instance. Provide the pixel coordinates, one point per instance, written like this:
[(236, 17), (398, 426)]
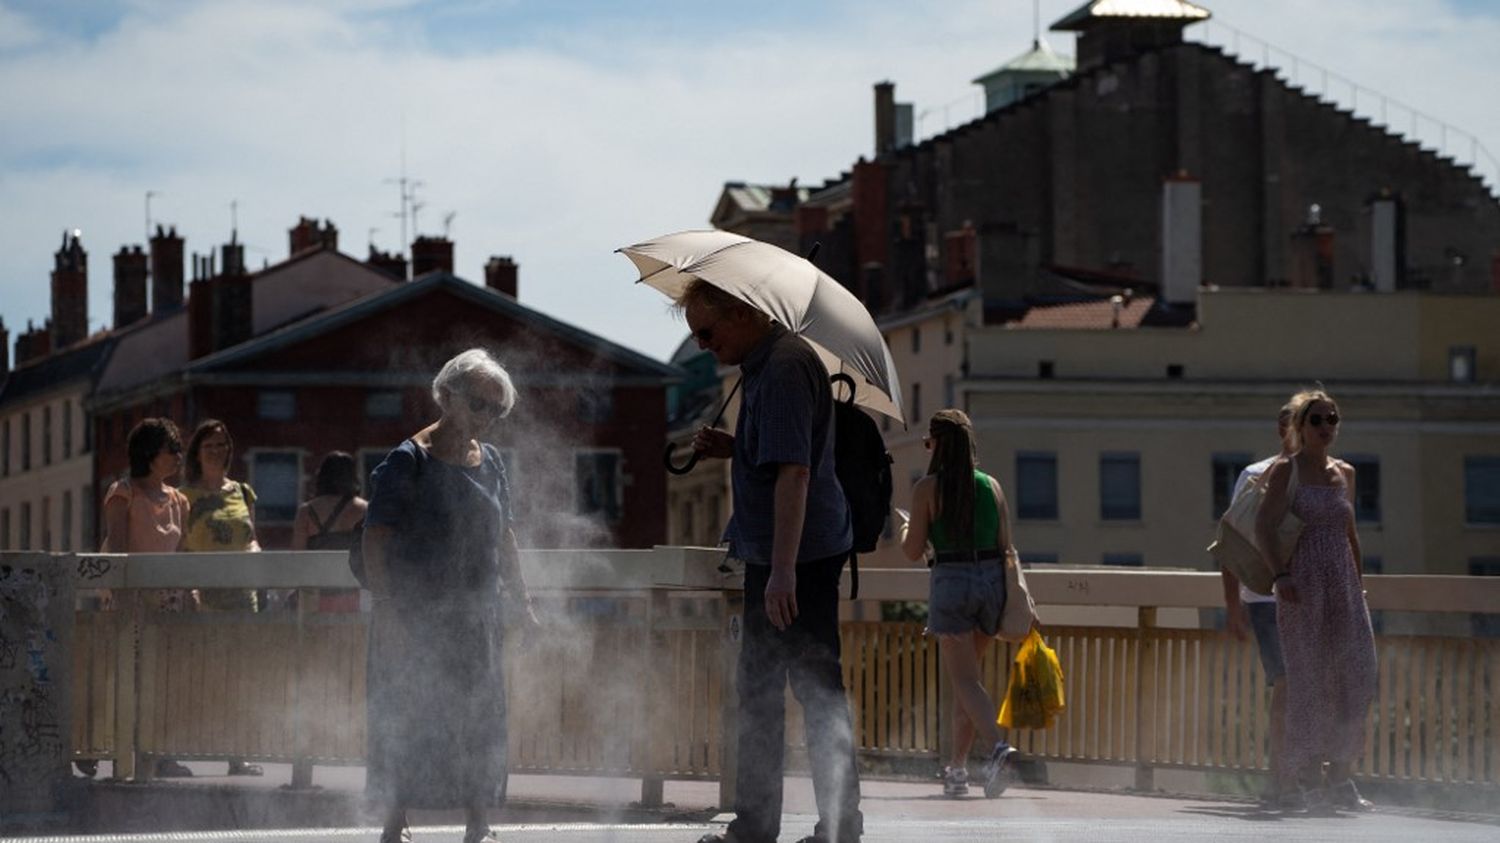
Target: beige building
[(47, 497), (1117, 442)]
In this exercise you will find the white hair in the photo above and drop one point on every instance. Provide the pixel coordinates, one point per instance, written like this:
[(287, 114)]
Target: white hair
[(466, 364)]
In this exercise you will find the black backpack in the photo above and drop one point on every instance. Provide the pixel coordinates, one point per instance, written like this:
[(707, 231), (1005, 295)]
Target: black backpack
[(863, 467)]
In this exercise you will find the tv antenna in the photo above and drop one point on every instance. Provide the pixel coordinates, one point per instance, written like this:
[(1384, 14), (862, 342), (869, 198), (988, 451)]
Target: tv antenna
[(448, 223)]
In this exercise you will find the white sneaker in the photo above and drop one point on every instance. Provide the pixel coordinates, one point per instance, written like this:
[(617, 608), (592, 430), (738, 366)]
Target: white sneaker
[(955, 782), (995, 772)]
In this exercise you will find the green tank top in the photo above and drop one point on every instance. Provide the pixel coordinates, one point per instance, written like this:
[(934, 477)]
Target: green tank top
[(986, 521)]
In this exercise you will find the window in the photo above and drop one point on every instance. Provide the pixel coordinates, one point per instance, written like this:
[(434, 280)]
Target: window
[(1174, 371), (47, 435), (1485, 625), (1366, 487), (916, 403), (46, 530), (950, 394), (597, 483), (948, 330), (277, 478), (1461, 364), (67, 429), (25, 527), (916, 340), (66, 528), (88, 434), (276, 405), (385, 404), (1120, 487), (1124, 560), (86, 540), (5, 449), (1482, 490), (596, 406), (1226, 472), (26, 442), (1036, 486), (4, 529), (1045, 369)]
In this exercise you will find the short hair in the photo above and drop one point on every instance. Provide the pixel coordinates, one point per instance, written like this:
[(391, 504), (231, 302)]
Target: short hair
[(337, 475), (476, 362), (715, 300), (147, 439), (194, 460)]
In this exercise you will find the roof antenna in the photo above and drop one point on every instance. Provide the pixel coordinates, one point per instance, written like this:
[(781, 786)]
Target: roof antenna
[(1036, 24), (234, 220)]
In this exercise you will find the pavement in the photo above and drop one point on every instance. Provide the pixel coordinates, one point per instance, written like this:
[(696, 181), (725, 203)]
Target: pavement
[(571, 808)]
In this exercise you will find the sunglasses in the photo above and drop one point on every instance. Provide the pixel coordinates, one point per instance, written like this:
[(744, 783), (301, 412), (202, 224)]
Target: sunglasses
[(483, 407), (1317, 420), (705, 334)]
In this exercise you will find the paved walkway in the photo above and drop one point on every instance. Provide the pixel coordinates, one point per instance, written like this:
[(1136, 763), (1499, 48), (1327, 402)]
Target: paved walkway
[(587, 809)]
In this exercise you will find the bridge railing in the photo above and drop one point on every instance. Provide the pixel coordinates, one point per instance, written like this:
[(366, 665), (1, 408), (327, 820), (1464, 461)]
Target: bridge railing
[(633, 675)]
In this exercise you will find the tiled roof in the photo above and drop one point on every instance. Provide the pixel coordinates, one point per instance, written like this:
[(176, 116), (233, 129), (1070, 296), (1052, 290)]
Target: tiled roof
[(81, 362), (1163, 9), (1087, 316)]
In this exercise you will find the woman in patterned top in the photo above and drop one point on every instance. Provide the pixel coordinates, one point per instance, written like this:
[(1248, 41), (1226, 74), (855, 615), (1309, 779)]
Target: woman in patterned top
[(222, 520)]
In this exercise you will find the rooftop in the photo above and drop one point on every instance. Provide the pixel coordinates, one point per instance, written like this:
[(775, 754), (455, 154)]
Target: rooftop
[(1098, 10)]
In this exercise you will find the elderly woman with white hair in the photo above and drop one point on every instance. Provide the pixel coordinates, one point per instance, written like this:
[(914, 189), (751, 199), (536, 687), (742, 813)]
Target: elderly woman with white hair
[(441, 562)]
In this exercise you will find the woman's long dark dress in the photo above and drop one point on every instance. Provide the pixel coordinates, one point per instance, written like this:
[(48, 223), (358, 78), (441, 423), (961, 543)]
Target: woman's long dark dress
[(436, 708)]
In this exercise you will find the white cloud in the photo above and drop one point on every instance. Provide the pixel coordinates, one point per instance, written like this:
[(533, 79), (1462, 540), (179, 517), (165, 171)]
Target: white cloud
[(555, 152)]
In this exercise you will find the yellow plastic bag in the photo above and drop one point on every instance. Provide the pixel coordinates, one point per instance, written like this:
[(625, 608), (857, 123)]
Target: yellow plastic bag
[(1035, 691)]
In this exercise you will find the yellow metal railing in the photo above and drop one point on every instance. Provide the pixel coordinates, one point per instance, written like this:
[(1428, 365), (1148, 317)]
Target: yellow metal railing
[(649, 692)]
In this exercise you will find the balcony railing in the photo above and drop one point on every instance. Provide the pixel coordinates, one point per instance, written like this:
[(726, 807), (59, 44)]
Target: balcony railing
[(633, 675)]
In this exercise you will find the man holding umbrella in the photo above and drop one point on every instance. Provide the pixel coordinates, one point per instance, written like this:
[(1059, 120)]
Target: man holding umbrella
[(791, 527)]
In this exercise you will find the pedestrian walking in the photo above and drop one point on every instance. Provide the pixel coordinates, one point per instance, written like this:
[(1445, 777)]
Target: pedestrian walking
[(1321, 614), (791, 527), (962, 511), (443, 568)]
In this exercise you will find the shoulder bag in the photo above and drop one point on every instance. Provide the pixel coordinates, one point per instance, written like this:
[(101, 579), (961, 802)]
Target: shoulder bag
[(1234, 546)]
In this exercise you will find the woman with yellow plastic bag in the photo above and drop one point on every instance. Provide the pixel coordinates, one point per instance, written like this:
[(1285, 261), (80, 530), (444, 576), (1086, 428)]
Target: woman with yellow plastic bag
[(962, 511), (1035, 693)]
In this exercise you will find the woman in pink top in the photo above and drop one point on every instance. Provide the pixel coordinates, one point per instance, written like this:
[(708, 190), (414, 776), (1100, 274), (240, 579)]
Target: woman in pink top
[(142, 513)]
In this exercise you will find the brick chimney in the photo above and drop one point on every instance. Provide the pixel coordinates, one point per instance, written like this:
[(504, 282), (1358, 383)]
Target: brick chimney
[(431, 254), (221, 306), (308, 234), (34, 344), (390, 263), (130, 285), (501, 275), (166, 271), (885, 118), (70, 292)]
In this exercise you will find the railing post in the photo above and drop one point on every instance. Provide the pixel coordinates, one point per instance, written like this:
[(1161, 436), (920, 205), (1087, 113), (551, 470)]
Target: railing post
[(128, 620), (729, 703), (302, 765), (1145, 709), (658, 710)]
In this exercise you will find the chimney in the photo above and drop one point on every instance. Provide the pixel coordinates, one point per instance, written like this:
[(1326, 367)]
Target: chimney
[(1387, 242), (70, 292), (1312, 252), (431, 254), (200, 307), (868, 192), (885, 118), (307, 234), (1181, 239), (35, 344), (500, 275), (390, 263), (221, 306), (130, 286), (166, 271)]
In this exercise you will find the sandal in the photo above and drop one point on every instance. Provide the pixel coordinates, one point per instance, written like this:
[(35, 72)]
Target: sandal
[(1345, 795)]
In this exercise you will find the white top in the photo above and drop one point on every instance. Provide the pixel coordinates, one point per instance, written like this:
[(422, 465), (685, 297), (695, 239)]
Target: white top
[(1252, 473)]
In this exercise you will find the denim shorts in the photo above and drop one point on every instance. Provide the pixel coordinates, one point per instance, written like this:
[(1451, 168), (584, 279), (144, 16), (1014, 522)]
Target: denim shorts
[(1267, 639), (965, 597)]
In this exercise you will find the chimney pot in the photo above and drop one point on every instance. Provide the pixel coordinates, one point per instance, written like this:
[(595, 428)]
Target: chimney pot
[(130, 286), (501, 275), (70, 292), (431, 254)]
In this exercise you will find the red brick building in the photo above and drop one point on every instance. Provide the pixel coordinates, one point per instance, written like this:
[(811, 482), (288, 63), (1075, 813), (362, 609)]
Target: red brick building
[(340, 356)]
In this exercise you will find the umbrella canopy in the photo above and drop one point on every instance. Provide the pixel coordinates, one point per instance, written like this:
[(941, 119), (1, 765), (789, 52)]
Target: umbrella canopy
[(788, 288)]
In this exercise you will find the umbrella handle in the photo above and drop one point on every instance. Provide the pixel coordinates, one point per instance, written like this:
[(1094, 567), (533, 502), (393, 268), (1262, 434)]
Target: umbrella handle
[(666, 458), (843, 377)]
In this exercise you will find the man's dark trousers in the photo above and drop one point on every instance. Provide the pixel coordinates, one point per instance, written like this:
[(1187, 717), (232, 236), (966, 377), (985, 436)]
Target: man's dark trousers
[(807, 653)]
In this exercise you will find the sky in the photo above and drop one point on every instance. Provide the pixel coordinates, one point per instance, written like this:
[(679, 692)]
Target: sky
[(555, 131)]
